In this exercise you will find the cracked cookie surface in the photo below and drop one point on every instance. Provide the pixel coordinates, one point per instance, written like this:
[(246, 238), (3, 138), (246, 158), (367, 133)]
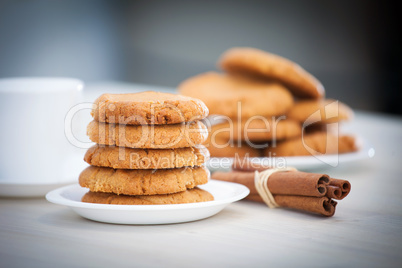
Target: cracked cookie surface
[(148, 107), (148, 136), (190, 196), (129, 158), (142, 181)]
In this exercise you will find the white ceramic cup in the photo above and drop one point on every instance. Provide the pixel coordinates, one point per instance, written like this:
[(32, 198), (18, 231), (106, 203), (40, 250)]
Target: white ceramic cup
[(33, 146)]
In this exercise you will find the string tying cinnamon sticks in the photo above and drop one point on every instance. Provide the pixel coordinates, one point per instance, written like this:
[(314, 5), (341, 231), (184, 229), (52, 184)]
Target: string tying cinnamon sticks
[(289, 188), (261, 185)]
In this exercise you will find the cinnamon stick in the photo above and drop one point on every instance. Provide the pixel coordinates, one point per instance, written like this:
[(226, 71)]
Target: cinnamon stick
[(284, 183), (336, 188), (344, 185), (292, 189), (334, 192), (321, 205)]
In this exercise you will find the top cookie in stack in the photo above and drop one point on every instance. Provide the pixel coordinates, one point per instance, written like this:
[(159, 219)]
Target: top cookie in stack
[(148, 108), (261, 96), (148, 150)]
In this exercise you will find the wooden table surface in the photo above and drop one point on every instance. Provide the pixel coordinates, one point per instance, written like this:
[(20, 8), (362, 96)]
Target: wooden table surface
[(366, 230)]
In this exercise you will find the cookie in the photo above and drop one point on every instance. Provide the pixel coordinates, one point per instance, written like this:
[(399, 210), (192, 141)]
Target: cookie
[(329, 128), (238, 97), (148, 136), (190, 196), (129, 158), (314, 143), (142, 181), (261, 129), (220, 146), (242, 150), (320, 111), (252, 61), (148, 108)]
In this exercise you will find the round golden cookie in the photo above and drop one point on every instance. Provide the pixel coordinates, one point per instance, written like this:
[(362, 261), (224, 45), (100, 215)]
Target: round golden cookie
[(261, 129), (252, 61), (320, 111), (236, 96), (129, 158), (190, 196), (220, 146), (147, 108), (142, 181), (148, 136), (314, 144)]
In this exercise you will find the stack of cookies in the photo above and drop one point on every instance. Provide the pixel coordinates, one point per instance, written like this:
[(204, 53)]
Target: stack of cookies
[(147, 150), (268, 106)]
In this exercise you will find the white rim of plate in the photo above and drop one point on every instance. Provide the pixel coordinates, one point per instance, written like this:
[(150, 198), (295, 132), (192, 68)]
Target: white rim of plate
[(56, 197)]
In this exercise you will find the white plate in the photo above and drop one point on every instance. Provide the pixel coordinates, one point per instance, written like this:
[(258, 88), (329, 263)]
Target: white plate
[(8, 189), (303, 163), (224, 193)]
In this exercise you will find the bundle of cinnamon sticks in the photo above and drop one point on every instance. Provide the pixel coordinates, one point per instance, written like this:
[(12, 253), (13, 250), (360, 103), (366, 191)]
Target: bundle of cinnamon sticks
[(292, 189)]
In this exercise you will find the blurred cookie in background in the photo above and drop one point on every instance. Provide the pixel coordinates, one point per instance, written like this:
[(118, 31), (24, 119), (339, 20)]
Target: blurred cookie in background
[(236, 96)]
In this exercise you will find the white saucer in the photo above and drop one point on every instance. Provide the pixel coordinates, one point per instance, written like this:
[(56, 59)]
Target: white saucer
[(224, 193), (304, 163), (9, 189)]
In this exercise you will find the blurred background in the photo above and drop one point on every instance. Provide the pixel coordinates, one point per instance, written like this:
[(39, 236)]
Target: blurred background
[(353, 47)]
